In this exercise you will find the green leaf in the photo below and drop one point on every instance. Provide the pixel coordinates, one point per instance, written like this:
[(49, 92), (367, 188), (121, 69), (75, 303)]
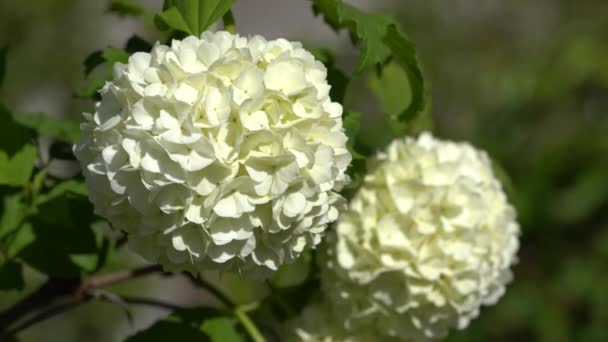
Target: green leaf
[(292, 274), (222, 329), (387, 85), (184, 325), (63, 220), (370, 29), (380, 40), (192, 16), (404, 53), (23, 237), (3, 53), (164, 331), (17, 170), (11, 276), (13, 213), (48, 126), (95, 81), (115, 55), (352, 124), (126, 8), (17, 153)]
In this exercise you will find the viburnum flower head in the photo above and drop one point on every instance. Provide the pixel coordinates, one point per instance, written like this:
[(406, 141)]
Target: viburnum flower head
[(428, 239), (219, 152)]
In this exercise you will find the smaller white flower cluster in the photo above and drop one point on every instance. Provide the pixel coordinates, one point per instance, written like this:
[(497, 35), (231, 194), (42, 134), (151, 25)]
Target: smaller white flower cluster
[(218, 152), (428, 239)]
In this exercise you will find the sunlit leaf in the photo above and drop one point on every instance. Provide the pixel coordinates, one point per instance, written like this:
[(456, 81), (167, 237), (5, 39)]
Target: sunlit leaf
[(192, 16)]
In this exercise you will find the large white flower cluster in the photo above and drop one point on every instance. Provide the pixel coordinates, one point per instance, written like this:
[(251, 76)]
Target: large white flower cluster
[(218, 152), (428, 239)]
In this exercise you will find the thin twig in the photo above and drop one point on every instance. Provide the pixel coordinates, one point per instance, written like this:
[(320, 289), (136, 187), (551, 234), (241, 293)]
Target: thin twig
[(55, 288), (46, 314), (198, 281)]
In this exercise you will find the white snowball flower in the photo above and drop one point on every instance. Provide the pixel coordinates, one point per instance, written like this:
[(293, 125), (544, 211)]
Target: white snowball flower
[(428, 239), (219, 152)]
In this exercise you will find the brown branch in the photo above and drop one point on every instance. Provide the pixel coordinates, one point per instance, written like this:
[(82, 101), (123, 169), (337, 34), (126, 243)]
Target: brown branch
[(55, 288)]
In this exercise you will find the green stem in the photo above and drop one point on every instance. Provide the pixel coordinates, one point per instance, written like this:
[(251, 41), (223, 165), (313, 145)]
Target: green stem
[(239, 311), (229, 24), (249, 325)]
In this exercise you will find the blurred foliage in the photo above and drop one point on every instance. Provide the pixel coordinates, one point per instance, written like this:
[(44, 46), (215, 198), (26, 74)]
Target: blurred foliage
[(528, 81)]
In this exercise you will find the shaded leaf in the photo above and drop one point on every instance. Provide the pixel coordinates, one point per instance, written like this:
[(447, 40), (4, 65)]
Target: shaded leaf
[(137, 44), (184, 324), (164, 331), (92, 61), (63, 220), (61, 150), (14, 136), (11, 276), (126, 8), (60, 129)]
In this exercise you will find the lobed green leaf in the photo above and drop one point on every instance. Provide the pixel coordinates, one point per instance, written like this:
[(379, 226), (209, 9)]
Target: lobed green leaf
[(192, 16), (380, 41)]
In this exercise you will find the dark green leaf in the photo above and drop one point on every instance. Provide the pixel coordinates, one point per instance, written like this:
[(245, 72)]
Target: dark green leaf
[(48, 126), (222, 329), (336, 78), (164, 331), (11, 276), (3, 53), (185, 325), (14, 136), (192, 16), (137, 44), (126, 7), (63, 221), (92, 61), (94, 81), (61, 150)]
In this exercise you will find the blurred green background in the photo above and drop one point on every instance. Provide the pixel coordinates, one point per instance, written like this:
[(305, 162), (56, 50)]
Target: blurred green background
[(525, 80)]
